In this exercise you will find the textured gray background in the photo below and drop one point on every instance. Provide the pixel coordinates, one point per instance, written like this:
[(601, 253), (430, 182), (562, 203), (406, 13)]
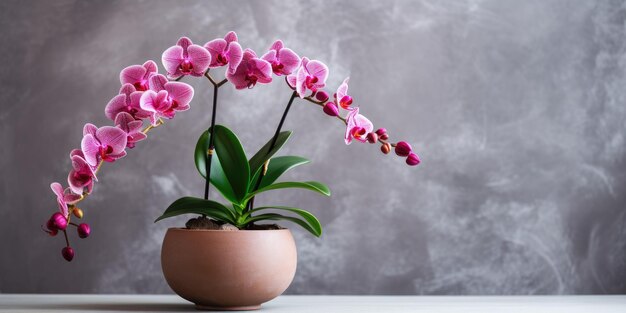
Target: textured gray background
[(518, 109)]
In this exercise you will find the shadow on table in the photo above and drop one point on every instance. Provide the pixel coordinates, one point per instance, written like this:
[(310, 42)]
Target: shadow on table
[(115, 307)]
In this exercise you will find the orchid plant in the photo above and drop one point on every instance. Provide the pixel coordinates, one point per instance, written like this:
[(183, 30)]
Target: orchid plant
[(239, 180), (148, 98)]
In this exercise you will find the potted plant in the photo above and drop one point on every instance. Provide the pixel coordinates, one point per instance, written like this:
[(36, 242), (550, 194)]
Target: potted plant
[(224, 258), (211, 262)]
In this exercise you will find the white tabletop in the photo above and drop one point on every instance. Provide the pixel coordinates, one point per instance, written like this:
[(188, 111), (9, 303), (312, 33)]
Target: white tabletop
[(322, 304)]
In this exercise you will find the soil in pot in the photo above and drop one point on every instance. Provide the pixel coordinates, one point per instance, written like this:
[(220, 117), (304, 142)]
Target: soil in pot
[(203, 222)]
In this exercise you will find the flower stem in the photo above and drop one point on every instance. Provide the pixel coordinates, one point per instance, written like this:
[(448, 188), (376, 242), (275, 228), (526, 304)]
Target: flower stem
[(150, 127), (145, 131), (211, 139), (274, 139), (211, 149), (321, 104), (67, 240)]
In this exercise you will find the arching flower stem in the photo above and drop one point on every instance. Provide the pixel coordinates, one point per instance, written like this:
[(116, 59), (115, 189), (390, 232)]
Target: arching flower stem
[(215, 83), (67, 240), (278, 129), (145, 131), (321, 104)]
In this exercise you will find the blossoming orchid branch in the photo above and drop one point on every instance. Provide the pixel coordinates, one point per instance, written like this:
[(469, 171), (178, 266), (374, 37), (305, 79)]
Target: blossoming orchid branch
[(148, 97)]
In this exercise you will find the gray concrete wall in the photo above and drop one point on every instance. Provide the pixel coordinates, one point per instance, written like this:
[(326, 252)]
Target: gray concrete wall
[(517, 109)]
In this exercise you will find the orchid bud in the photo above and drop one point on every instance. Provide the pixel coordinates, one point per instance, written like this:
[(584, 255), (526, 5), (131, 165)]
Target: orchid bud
[(77, 212), (68, 253), (381, 131), (385, 148), (58, 221), (50, 224), (83, 230), (321, 96), (372, 138), (383, 136), (403, 148), (412, 159), (331, 109), (50, 229)]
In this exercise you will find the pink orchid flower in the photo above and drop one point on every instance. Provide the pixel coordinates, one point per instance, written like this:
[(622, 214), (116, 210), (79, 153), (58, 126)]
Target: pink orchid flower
[(138, 75), (165, 98), (64, 197), (181, 93), (358, 126), (250, 71), (311, 76), (82, 176), (106, 143), (80, 153), (283, 60), (127, 101), (131, 127), (185, 58), (225, 51), (342, 98)]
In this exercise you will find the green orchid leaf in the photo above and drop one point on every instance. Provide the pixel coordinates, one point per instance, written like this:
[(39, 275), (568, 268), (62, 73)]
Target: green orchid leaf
[(233, 160), (192, 205), (277, 167), (230, 172), (218, 177), (273, 216), (308, 217), (256, 162), (309, 185), (238, 209)]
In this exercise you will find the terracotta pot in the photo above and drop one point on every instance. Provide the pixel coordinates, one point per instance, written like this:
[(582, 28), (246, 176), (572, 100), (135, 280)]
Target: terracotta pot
[(228, 270)]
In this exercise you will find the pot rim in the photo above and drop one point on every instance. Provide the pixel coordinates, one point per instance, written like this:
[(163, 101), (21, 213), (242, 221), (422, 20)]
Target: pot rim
[(225, 231)]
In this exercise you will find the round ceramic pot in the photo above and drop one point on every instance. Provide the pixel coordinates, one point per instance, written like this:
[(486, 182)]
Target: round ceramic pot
[(228, 270)]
